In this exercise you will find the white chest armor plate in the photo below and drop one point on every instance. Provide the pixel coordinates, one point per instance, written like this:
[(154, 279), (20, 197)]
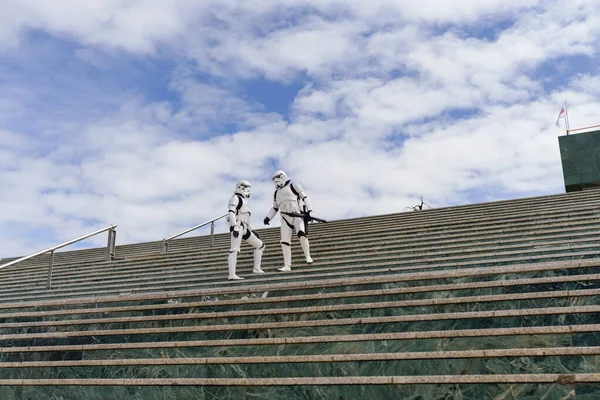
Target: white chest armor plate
[(286, 200), (243, 214)]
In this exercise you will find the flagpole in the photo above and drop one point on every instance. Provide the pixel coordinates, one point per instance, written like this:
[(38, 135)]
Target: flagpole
[(566, 117)]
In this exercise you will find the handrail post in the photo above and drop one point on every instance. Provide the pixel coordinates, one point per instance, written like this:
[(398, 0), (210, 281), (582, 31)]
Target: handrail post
[(165, 241), (110, 246), (49, 281)]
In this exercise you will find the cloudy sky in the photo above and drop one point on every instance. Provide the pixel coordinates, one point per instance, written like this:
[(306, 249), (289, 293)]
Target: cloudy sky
[(144, 113)]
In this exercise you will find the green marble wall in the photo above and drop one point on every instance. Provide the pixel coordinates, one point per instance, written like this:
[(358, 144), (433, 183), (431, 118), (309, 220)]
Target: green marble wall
[(580, 156)]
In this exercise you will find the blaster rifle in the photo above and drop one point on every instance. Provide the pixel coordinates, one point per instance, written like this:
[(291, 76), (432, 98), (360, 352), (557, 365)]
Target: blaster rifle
[(305, 216)]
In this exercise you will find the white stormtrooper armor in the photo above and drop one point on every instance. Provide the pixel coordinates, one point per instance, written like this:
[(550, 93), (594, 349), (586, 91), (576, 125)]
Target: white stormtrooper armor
[(290, 198), (239, 226)]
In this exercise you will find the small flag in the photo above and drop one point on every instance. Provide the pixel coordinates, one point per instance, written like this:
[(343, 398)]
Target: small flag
[(561, 114)]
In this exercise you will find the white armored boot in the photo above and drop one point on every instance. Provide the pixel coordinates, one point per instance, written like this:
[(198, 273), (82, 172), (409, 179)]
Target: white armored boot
[(259, 248), (257, 260), (306, 249), (287, 258), (232, 263)]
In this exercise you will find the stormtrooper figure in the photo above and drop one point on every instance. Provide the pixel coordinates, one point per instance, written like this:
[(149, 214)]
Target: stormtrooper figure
[(239, 226), (289, 198)]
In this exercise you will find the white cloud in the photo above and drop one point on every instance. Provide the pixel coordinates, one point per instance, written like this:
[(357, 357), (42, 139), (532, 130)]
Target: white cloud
[(401, 100), (587, 83), (122, 24)]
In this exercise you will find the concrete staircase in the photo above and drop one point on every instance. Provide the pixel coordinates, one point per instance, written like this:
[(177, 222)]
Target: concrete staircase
[(495, 300)]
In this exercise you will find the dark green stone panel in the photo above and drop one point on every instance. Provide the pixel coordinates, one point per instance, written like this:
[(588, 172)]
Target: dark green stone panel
[(580, 156)]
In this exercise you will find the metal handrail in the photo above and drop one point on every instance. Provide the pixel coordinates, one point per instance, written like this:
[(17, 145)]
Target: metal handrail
[(165, 241), (110, 250)]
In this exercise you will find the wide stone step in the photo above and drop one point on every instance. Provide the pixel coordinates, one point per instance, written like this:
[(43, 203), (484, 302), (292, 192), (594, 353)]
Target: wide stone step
[(181, 281), (455, 334), (166, 305), (303, 324), (410, 231), (336, 231), (318, 249), (564, 379), (512, 205), (317, 358), (559, 266), (557, 296), (342, 252), (398, 256), (307, 273), (312, 367)]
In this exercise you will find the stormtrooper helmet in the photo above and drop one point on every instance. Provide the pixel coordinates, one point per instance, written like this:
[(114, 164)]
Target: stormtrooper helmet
[(243, 188), (280, 178)]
